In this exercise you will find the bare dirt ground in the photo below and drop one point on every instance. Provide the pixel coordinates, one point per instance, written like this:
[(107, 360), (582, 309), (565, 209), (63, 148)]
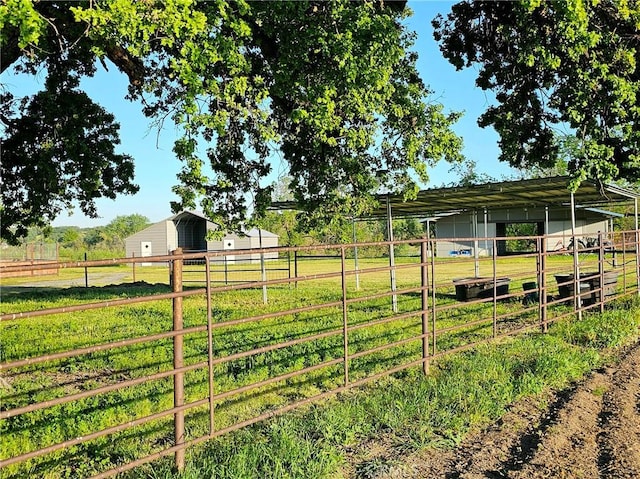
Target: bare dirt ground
[(591, 430)]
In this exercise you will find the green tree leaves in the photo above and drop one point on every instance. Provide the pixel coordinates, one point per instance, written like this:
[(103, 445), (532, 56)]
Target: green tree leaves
[(330, 87), (58, 148), (26, 22), (553, 65)]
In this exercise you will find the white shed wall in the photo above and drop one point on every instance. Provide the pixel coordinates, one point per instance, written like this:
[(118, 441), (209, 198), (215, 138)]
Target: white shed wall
[(561, 232), (162, 238), (458, 226), (245, 242), (155, 234), (172, 236), (267, 242), (461, 226)]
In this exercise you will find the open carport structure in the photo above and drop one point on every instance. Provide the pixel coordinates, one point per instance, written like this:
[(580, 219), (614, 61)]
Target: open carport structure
[(542, 200), (545, 193), (548, 195)]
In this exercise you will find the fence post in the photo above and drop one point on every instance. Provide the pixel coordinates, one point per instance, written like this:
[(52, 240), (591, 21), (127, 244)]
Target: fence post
[(425, 306), (133, 265), (355, 256), (392, 273), (178, 358), (263, 270), (542, 284), (345, 316), (637, 243), (476, 253), (624, 263), (577, 297), (295, 267), (495, 291), (210, 346), (433, 299), (86, 273), (263, 274), (601, 269)]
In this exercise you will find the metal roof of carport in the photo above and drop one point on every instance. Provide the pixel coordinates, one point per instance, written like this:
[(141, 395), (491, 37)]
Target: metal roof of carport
[(506, 194)]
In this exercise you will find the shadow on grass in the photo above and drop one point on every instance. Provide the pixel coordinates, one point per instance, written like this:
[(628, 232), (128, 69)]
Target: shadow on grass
[(51, 293)]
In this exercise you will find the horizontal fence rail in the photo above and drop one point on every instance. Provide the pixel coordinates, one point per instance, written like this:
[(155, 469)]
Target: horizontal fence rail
[(224, 344)]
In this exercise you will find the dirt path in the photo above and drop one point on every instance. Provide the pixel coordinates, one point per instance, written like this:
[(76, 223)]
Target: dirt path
[(589, 431), (95, 279)]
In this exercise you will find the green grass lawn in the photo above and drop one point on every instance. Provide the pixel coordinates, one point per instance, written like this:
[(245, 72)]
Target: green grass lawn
[(311, 454)]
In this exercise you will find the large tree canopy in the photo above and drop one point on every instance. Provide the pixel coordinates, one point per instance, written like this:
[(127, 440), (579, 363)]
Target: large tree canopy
[(329, 87), (555, 65)]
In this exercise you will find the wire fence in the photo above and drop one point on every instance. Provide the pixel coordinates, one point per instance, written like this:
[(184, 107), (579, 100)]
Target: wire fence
[(123, 377), (30, 251), (28, 254)]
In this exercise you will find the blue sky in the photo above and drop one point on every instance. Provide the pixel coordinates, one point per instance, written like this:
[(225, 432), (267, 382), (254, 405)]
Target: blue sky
[(156, 167)]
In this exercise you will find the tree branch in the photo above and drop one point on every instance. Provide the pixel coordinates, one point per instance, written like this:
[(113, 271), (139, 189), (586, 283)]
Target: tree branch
[(127, 64)]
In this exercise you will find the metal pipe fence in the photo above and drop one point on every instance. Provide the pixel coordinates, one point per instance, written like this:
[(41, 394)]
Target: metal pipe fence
[(344, 325)]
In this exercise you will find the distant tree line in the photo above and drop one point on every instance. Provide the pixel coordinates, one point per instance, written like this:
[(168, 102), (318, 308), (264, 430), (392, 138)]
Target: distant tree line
[(108, 241), (98, 242)]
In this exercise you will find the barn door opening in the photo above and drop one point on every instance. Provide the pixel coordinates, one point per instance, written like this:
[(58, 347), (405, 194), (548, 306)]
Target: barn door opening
[(518, 237)]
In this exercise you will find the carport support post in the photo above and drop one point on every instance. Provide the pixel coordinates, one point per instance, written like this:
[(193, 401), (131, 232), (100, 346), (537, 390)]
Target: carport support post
[(545, 241), (612, 237), (178, 358), (486, 232), (392, 258)]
